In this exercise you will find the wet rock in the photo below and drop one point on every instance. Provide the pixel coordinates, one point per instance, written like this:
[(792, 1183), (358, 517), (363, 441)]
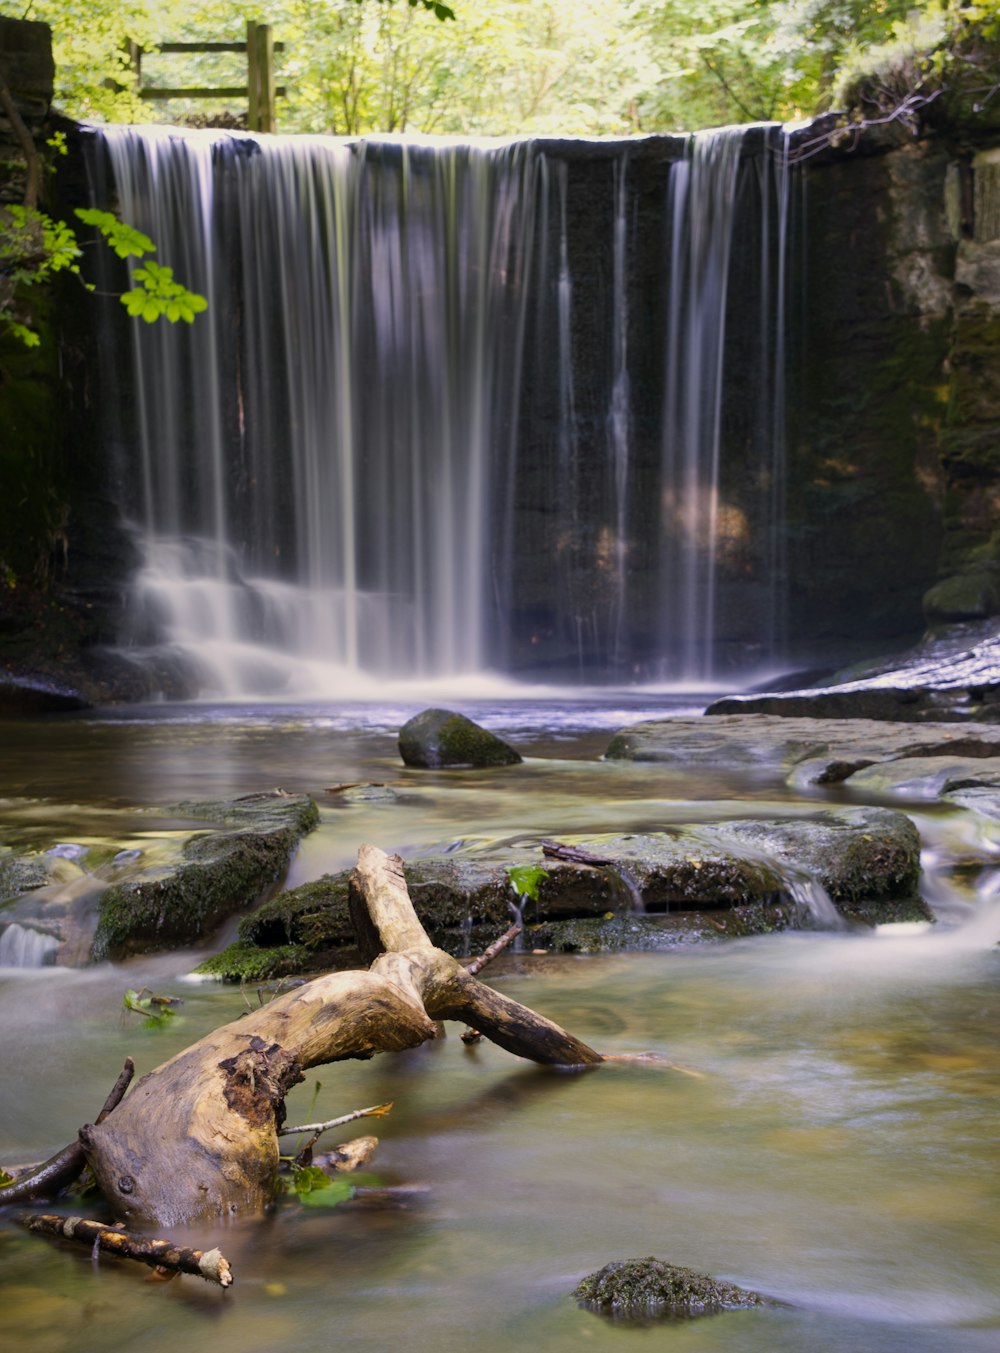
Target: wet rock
[(646, 1289), (24, 696), (437, 738), (651, 890), (953, 676), (22, 873), (805, 751), (218, 874), (925, 777)]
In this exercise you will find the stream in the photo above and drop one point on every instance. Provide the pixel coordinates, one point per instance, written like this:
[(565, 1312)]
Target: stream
[(826, 1132)]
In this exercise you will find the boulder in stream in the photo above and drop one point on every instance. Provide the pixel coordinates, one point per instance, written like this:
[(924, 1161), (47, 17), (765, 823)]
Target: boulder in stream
[(650, 1289), (438, 738), (637, 891)]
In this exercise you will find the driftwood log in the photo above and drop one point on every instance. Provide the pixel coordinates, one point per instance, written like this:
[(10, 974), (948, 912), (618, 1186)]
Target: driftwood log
[(198, 1137)]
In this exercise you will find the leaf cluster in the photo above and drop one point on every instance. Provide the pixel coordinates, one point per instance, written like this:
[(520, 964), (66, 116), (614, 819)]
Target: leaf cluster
[(35, 246)]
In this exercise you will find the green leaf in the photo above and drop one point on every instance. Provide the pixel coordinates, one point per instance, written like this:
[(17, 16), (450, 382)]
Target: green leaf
[(336, 1191), (124, 239), (23, 334), (315, 1188), (526, 879)]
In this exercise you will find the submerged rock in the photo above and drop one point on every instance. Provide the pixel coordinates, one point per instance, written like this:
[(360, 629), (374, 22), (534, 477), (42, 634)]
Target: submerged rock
[(438, 738), (645, 1289)]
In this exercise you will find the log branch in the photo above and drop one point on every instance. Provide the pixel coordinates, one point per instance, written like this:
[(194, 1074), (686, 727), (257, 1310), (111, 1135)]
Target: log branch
[(66, 1166), (497, 947), (211, 1265)]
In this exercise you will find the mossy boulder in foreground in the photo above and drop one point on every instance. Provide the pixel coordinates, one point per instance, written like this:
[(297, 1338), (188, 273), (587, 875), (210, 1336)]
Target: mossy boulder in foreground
[(644, 1289), (438, 738)]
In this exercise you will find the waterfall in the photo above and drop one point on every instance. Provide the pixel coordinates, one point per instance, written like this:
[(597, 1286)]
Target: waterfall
[(421, 430), (23, 947)]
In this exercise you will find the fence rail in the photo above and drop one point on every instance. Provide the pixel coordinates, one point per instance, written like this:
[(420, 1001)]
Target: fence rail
[(260, 91)]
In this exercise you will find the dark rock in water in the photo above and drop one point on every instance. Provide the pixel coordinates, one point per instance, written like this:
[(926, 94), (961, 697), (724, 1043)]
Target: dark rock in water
[(219, 873), (649, 1289), (437, 738), (653, 890), (22, 696)]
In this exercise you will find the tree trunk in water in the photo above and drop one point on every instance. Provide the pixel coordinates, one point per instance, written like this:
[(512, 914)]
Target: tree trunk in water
[(198, 1137)]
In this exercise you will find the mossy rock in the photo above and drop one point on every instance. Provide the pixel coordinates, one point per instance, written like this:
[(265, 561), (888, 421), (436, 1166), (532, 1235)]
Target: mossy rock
[(22, 873), (652, 891), (967, 596), (247, 963), (857, 854), (649, 1289), (220, 873), (438, 738)]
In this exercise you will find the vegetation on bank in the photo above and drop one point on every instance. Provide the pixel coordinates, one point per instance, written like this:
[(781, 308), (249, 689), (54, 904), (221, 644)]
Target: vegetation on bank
[(533, 66)]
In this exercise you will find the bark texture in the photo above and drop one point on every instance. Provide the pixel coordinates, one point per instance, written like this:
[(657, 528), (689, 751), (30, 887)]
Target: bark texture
[(198, 1137)]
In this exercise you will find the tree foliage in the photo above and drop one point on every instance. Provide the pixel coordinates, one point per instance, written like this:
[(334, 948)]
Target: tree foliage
[(520, 66)]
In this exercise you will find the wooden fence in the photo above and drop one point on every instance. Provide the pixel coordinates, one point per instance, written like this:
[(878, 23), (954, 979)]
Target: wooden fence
[(259, 91)]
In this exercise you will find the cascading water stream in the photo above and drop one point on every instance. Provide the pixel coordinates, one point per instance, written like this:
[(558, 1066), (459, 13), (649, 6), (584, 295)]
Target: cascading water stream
[(407, 438)]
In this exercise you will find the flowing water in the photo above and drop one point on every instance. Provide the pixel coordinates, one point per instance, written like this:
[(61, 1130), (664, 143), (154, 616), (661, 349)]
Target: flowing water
[(453, 407), (826, 1132)]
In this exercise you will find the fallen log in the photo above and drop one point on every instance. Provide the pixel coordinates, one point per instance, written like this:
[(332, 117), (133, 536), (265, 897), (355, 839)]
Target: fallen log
[(198, 1137), (162, 1255)]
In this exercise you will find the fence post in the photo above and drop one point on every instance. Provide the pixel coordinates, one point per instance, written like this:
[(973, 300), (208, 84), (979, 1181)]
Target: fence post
[(260, 76)]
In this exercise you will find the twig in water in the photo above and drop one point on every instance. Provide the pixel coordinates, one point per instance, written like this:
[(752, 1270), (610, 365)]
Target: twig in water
[(497, 947), (376, 1111), (211, 1265)]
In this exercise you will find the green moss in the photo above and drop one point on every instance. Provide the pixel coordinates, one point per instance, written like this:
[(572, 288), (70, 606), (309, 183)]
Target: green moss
[(440, 737), (247, 963), (221, 873), (651, 1288)]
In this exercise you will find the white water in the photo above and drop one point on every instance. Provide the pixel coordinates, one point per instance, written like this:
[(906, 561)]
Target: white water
[(410, 380)]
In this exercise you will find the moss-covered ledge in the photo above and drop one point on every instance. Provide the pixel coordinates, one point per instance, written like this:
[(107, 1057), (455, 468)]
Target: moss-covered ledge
[(221, 872), (657, 890)]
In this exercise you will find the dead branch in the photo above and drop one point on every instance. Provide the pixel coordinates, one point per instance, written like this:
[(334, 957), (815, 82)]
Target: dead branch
[(28, 148), (497, 947), (317, 1129), (211, 1265), (198, 1136), (556, 850), (66, 1166), (347, 1157)]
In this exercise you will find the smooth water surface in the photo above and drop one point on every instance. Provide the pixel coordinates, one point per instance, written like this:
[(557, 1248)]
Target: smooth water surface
[(825, 1131)]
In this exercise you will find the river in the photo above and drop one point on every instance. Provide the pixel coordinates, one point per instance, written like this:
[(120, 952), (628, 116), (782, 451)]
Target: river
[(825, 1132)]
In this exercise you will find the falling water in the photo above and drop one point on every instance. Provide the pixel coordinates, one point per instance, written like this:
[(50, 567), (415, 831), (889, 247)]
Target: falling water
[(346, 468), (23, 947)]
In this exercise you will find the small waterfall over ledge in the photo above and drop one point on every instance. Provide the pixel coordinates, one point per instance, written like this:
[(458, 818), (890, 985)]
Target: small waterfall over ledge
[(511, 407)]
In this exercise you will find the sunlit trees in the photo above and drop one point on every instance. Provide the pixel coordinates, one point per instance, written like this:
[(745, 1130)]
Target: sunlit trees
[(505, 66)]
